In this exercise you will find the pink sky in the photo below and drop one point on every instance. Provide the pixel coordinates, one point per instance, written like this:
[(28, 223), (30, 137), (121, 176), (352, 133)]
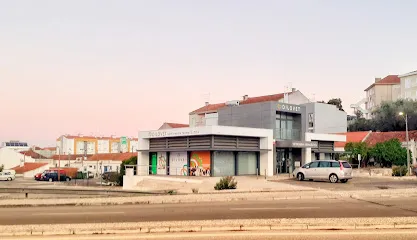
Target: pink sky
[(120, 68)]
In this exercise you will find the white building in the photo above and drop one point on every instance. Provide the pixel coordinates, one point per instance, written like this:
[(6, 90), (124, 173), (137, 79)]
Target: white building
[(15, 145), (10, 158), (409, 85)]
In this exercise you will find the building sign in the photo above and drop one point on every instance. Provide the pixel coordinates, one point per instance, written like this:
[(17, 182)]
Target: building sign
[(288, 108), (159, 134), (297, 144)]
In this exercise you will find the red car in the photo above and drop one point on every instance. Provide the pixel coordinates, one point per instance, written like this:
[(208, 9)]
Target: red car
[(38, 177)]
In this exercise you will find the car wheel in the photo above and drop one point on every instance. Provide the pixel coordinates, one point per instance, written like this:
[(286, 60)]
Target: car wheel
[(50, 180), (9, 179), (300, 177), (67, 179), (333, 178), (344, 181)]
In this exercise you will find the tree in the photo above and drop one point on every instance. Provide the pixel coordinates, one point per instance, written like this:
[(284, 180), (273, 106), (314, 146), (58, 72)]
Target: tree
[(356, 148), (130, 161), (389, 153), (358, 114), (386, 117), (1, 168), (337, 102)]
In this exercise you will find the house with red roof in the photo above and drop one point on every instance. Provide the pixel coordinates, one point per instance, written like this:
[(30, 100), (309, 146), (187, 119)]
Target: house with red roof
[(385, 89), (167, 125), (29, 169)]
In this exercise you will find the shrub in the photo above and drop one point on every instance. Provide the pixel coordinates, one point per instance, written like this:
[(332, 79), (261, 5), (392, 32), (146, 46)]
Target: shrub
[(399, 171), (171, 192), (226, 183), (195, 190)]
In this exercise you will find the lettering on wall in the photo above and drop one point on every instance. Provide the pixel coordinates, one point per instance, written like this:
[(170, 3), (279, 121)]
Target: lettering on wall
[(172, 134), (291, 108)]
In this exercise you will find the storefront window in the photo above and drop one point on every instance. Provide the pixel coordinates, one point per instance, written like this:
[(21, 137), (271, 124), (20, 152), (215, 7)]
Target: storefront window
[(246, 163), (223, 164)]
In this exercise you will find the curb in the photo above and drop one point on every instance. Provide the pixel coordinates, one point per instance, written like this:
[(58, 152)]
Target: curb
[(43, 231), (169, 201)]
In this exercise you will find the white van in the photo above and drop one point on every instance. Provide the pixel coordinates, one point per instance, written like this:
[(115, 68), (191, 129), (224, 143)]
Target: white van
[(9, 172)]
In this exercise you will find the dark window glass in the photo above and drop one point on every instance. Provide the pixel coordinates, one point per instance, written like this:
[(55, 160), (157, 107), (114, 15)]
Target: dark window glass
[(346, 165), (7, 144), (335, 164), (324, 164), (314, 165)]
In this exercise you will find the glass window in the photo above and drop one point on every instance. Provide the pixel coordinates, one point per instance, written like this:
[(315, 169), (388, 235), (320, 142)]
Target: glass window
[(305, 165), (246, 163), (314, 165), (324, 164), (7, 144), (223, 164), (346, 165), (335, 164)]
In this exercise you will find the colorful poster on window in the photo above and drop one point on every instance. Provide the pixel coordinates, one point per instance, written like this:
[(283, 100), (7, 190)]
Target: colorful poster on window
[(161, 163), (178, 164), (200, 164)]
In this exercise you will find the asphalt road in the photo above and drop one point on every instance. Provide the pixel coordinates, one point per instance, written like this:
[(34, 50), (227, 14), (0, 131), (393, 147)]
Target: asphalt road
[(210, 211), (357, 183), (281, 235)]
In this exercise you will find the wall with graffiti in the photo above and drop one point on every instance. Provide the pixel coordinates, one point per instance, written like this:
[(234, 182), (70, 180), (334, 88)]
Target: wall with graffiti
[(178, 164), (200, 163), (161, 163)]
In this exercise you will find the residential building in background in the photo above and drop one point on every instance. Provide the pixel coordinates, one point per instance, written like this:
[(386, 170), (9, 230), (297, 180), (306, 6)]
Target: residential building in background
[(409, 85), (325, 118), (88, 145), (15, 145), (387, 89), (208, 114)]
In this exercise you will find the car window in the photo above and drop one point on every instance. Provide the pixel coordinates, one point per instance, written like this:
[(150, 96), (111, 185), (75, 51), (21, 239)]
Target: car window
[(346, 165), (305, 165), (324, 164), (335, 164), (314, 165)]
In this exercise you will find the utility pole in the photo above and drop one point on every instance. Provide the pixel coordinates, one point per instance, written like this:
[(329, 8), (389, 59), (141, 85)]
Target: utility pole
[(408, 142)]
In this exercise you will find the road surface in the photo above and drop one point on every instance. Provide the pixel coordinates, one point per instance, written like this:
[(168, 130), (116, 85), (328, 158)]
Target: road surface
[(282, 235), (319, 208)]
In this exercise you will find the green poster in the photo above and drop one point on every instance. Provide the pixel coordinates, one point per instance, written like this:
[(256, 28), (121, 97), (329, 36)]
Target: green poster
[(154, 163)]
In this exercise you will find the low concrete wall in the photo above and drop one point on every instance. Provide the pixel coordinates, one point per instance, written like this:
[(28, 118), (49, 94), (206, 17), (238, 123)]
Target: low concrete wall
[(369, 172), (131, 182)]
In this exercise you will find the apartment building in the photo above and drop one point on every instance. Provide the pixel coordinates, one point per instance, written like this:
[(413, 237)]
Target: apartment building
[(79, 144), (385, 89), (409, 85)]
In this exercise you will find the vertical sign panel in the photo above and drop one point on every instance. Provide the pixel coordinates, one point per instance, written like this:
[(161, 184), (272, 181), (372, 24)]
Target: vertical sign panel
[(178, 163), (162, 163)]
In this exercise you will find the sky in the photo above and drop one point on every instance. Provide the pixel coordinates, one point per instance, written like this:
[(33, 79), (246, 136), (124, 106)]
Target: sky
[(118, 67)]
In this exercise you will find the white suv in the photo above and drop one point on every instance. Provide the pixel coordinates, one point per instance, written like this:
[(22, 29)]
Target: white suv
[(331, 170)]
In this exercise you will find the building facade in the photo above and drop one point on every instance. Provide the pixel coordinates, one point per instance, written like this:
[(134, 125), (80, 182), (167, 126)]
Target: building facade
[(409, 85), (88, 145), (387, 89), (15, 145)]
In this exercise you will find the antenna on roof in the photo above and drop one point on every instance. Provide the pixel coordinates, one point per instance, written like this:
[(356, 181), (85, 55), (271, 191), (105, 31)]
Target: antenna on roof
[(206, 97)]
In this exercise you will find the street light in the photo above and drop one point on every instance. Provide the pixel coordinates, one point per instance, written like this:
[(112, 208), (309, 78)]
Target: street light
[(406, 138)]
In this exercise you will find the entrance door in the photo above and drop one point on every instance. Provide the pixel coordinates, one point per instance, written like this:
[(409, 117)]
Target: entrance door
[(285, 161), (154, 163)]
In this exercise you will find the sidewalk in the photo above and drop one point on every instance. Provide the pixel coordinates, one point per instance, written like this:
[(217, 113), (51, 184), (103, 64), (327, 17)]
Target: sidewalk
[(211, 226)]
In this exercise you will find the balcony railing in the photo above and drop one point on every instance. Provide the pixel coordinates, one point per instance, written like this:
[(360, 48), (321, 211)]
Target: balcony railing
[(287, 134)]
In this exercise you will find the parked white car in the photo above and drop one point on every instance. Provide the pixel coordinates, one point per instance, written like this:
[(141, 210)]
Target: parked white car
[(331, 170), (7, 176)]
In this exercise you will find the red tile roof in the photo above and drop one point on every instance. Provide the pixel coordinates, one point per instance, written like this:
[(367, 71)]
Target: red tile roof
[(388, 80), (378, 137), (28, 167), (69, 157), (50, 148), (32, 154), (352, 137), (112, 156), (177, 125), (214, 107)]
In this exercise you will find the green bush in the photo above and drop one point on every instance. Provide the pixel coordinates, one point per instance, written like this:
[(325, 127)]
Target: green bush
[(399, 171), (226, 183)]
